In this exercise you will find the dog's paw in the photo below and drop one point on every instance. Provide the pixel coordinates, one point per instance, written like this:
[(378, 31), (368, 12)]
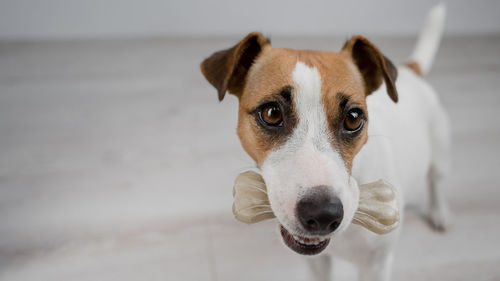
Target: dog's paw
[(439, 218)]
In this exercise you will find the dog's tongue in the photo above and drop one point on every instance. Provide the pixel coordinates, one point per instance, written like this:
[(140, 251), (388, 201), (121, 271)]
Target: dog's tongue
[(377, 211)]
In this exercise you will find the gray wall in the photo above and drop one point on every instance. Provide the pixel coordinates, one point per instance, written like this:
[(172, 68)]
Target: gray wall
[(27, 19)]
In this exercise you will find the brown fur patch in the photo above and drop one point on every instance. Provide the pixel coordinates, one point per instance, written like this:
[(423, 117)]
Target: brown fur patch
[(415, 67), (270, 73)]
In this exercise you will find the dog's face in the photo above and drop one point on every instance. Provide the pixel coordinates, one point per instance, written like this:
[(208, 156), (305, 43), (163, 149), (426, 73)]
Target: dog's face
[(303, 118)]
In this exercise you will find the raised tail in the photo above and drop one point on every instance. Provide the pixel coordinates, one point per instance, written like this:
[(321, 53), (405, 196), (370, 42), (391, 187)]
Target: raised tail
[(428, 41)]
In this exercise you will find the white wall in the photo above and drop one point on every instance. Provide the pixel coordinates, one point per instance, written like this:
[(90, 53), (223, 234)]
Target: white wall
[(26, 19)]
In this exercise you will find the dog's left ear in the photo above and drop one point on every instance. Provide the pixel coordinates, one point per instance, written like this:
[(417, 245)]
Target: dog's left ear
[(373, 65)]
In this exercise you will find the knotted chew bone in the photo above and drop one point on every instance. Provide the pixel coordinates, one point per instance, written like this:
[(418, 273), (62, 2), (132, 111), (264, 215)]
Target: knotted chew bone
[(377, 210)]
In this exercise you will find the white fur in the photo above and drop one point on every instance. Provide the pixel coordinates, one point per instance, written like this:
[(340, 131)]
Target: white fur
[(430, 36), (307, 160), (408, 145)]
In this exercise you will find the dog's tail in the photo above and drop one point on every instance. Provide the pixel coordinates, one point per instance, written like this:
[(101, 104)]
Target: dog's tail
[(428, 41)]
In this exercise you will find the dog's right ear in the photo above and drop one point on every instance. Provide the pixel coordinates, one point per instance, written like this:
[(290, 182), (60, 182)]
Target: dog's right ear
[(226, 70)]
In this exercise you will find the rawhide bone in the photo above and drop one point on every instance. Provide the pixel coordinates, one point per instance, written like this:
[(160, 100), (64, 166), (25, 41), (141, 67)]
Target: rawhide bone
[(377, 210)]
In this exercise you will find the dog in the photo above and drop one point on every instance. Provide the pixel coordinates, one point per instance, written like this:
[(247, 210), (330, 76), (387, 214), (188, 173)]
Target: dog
[(313, 121)]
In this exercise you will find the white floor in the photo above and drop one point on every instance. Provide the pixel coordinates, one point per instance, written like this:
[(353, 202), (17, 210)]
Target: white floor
[(117, 163)]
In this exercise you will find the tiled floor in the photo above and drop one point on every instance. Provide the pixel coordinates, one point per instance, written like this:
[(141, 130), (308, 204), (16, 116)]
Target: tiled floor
[(117, 163)]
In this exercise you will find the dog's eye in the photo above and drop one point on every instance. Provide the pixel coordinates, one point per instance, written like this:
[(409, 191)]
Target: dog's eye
[(271, 115), (353, 120)]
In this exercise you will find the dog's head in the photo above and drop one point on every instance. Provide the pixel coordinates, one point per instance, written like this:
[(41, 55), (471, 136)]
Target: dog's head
[(302, 118)]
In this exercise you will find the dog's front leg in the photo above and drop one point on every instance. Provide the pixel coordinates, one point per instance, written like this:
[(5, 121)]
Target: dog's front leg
[(320, 267), (378, 268), (438, 208)]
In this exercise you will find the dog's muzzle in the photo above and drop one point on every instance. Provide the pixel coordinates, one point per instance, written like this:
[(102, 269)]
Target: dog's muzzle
[(319, 214)]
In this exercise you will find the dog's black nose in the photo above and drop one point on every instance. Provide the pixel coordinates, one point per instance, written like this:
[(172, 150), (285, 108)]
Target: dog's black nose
[(319, 212)]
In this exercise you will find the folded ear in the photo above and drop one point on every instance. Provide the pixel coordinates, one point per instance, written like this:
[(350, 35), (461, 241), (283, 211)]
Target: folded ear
[(374, 66), (226, 70)]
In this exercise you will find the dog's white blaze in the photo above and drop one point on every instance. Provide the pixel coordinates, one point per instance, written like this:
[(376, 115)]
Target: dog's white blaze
[(307, 159)]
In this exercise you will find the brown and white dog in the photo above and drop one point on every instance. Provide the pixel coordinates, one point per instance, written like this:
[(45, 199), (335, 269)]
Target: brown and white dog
[(315, 120)]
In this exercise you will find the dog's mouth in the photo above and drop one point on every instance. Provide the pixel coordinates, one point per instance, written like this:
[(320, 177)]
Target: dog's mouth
[(304, 245)]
